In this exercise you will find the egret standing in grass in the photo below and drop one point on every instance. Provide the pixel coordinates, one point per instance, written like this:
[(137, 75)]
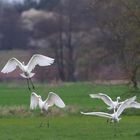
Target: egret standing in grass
[(36, 59), (53, 99)]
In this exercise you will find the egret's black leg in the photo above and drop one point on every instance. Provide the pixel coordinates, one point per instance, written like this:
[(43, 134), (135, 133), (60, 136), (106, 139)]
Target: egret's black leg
[(28, 84), (48, 120), (108, 121), (118, 129), (48, 123), (32, 83), (115, 128), (41, 124)]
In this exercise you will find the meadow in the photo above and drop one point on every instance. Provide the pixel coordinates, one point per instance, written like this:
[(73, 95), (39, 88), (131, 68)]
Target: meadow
[(19, 123)]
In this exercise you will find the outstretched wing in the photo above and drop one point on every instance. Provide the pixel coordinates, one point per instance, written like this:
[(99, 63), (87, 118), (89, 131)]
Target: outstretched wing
[(11, 65), (134, 105), (40, 60), (34, 101), (101, 114), (53, 98), (104, 97), (125, 105)]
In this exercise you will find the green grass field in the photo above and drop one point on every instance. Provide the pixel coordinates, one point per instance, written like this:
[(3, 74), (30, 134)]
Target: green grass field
[(19, 123)]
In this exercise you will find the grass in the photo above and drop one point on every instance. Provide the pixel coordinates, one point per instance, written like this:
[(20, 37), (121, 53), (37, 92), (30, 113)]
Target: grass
[(19, 123), (68, 128), (74, 94)]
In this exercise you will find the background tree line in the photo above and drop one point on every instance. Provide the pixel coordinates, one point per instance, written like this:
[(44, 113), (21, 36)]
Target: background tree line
[(85, 37)]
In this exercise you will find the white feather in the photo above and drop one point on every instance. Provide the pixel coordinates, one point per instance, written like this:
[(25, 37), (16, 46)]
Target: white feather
[(11, 65), (115, 115), (134, 105), (36, 59), (34, 101), (101, 114), (124, 105), (52, 99), (112, 104), (40, 60), (104, 97)]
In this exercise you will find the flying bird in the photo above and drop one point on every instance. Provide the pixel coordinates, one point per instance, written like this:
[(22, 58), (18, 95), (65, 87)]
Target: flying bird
[(134, 105), (115, 116), (52, 99), (112, 104), (36, 59)]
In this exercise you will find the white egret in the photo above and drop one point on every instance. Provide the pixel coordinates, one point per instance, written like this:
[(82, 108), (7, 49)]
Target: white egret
[(112, 104), (53, 99), (115, 116), (36, 59)]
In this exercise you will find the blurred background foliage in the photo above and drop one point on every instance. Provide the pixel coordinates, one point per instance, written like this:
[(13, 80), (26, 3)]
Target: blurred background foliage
[(90, 40)]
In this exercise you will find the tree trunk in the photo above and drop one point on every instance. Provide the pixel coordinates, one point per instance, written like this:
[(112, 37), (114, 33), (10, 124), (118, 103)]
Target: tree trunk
[(61, 48), (71, 63), (134, 77)]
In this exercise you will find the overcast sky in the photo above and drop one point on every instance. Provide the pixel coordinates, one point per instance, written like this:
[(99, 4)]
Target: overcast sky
[(11, 1), (17, 1)]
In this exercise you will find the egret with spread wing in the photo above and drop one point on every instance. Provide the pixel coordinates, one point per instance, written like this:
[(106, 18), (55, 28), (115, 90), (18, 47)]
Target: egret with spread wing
[(112, 104), (36, 59), (53, 99), (115, 116)]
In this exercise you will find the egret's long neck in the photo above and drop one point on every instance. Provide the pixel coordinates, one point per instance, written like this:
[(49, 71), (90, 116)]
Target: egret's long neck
[(23, 63), (117, 100), (114, 110)]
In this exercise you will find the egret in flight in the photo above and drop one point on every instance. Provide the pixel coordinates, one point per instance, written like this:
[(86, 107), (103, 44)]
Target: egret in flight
[(115, 116), (52, 99), (112, 104), (36, 59)]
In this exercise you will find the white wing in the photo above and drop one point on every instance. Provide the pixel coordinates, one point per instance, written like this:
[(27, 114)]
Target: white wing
[(124, 105), (54, 99), (34, 101), (11, 65), (134, 105), (101, 114), (40, 60), (104, 97)]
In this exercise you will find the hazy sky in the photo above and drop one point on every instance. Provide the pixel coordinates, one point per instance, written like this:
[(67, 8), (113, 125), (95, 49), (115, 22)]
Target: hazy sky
[(11, 1), (19, 1)]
